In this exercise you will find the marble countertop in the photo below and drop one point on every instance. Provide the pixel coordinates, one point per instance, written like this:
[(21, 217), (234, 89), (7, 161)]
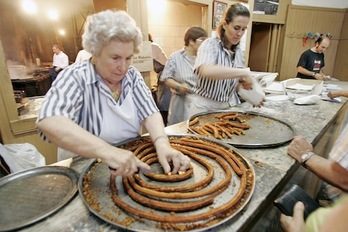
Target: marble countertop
[(273, 167)]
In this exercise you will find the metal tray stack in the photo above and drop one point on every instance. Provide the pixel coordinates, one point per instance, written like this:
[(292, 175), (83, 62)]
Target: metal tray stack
[(31, 195)]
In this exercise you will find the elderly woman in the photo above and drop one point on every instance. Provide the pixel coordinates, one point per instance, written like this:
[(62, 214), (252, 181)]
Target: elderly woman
[(219, 65), (179, 76), (104, 101)]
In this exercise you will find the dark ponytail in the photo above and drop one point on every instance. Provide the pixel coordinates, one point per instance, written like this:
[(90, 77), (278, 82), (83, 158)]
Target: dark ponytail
[(235, 10)]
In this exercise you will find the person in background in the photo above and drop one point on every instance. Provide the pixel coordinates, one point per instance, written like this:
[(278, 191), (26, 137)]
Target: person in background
[(335, 219), (219, 65), (179, 76), (163, 93), (311, 62), (104, 101), (60, 61), (82, 55), (334, 171)]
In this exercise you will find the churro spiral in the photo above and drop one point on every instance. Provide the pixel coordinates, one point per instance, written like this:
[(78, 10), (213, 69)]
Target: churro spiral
[(217, 185)]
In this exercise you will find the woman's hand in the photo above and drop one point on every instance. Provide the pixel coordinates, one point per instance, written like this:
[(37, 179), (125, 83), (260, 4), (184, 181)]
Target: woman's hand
[(261, 103), (296, 222), (246, 82), (183, 88), (167, 154), (122, 162)]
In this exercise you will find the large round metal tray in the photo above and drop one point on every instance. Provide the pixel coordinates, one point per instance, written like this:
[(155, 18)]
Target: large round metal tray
[(31, 195), (94, 188), (265, 131)]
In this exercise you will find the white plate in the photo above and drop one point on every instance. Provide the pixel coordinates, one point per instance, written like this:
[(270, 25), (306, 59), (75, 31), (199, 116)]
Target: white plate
[(299, 86), (307, 100)]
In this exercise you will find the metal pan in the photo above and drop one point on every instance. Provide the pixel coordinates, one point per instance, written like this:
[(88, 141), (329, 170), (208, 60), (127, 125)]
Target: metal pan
[(265, 130), (98, 197), (31, 195)]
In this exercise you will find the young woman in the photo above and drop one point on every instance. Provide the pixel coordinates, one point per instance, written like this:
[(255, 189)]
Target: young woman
[(219, 65)]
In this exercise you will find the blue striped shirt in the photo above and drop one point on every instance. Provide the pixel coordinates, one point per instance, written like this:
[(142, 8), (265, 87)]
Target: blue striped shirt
[(212, 52), (76, 92), (180, 68)]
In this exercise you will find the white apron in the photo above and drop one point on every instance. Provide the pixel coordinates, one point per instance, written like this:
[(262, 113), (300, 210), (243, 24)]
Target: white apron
[(177, 111), (120, 122), (196, 104)]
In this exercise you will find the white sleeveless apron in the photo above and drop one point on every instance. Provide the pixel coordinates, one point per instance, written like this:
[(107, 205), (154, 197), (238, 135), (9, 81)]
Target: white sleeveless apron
[(120, 122)]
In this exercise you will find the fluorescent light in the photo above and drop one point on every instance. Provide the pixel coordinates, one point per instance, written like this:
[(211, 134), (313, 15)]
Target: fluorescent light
[(29, 6), (275, 3), (61, 31)]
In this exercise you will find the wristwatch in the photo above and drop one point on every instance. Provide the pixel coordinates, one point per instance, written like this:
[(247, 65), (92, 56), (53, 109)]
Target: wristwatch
[(305, 156)]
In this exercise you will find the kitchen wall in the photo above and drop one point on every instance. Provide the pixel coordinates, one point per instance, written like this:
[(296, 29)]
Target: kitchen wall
[(168, 23), (341, 67)]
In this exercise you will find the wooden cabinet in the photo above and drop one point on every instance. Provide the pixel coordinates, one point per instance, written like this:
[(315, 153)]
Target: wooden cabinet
[(268, 19), (273, 11)]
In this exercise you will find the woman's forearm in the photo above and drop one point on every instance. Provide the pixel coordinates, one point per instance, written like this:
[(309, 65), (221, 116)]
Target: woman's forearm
[(155, 126), (221, 72), (68, 135)]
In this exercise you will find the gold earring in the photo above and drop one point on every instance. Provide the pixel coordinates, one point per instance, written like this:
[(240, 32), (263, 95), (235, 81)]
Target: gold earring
[(94, 60)]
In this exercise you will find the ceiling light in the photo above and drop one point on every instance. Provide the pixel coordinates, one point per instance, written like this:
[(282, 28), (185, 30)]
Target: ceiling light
[(29, 6)]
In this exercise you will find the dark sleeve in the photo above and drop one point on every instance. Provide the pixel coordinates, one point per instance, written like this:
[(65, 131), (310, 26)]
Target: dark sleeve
[(303, 60), (157, 66)]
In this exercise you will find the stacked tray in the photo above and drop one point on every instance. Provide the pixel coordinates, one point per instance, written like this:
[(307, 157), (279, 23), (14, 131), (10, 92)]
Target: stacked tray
[(33, 194)]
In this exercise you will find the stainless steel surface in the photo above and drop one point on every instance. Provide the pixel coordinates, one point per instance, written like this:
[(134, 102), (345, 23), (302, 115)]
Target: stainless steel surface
[(100, 192), (265, 131), (31, 195)]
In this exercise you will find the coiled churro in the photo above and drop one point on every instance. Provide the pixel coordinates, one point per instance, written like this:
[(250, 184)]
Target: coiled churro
[(186, 203)]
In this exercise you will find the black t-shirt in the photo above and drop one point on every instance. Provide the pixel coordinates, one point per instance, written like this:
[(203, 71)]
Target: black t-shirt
[(311, 61)]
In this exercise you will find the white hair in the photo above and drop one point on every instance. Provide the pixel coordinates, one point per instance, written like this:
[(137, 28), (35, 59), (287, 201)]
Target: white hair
[(107, 25)]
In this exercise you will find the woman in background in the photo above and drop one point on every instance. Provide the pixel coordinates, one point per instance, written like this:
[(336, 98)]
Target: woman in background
[(179, 76), (219, 65)]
